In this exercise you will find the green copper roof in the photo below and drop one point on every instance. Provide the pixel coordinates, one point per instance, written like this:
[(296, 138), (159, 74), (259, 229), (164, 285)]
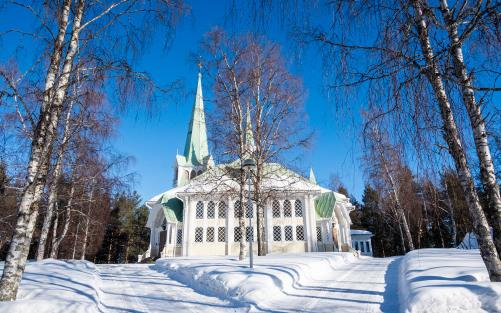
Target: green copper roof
[(196, 149), (312, 179), (324, 205), (173, 210)]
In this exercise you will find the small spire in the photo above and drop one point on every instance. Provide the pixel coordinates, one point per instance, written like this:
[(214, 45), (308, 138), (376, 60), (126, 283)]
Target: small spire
[(312, 176), (249, 144)]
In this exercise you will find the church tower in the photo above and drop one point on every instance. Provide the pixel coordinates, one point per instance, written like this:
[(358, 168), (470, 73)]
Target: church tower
[(195, 158)]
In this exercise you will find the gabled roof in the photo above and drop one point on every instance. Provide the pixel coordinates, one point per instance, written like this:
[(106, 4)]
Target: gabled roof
[(196, 149)]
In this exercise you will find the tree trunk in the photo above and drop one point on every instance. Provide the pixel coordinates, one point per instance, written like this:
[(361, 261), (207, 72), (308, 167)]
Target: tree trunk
[(487, 170), (76, 240), (86, 236), (56, 241), (43, 139), (451, 215), (451, 136), (402, 240), (58, 169)]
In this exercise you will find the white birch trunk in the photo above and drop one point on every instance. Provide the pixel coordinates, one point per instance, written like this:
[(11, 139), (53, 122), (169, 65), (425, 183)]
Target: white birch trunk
[(451, 136), (40, 153), (58, 169), (487, 170), (56, 240)]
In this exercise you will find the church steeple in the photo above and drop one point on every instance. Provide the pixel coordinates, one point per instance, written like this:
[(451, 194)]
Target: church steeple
[(196, 149), (312, 176), (249, 144)]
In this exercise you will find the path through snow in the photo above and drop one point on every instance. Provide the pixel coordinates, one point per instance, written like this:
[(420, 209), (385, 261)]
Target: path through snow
[(137, 288), (367, 285)]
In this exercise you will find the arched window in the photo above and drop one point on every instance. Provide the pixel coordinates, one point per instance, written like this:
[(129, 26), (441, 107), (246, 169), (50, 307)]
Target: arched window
[(193, 174), (200, 210), (287, 209), (298, 208), (211, 210), (275, 209), (238, 208), (199, 172), (221, 210)]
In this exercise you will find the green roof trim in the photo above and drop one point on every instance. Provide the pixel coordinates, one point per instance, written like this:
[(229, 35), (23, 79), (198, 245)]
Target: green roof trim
[(324, 205), (173, 210)]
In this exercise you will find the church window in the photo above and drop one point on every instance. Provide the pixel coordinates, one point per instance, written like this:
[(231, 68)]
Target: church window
[(199, 173), (179, 239), (287, 209), (298, 208), (237, 234), (275, 206), (356, 245), (288, 233), (249, 233), (277, 233), (362, 246), (199, 234), (299, 233), (221, 234), (211, 210), (200, 210), (367, 247), (238, 208), (319, 233), (210, 234), (248, 211), (193, 174), (222, 209)]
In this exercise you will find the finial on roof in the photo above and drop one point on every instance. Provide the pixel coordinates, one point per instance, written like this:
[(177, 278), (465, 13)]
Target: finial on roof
[(249, 144), (200, 67), (312, 176)]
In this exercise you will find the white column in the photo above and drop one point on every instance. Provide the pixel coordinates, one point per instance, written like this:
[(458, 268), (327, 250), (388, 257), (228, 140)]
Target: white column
[(308, 231), (230, 224), (370, 246), (268, 229), (186, 223), (313, 222)]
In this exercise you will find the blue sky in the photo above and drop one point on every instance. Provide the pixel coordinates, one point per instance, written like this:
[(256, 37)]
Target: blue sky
[(152, 138), (153, 141)]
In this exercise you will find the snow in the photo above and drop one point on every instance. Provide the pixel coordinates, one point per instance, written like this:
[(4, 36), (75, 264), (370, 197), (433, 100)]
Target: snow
[(424, 281), (307, 282), (447, 280)]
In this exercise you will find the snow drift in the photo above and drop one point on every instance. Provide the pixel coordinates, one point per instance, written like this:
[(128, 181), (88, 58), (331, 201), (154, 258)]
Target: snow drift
[(446, 280), (272, 277), (57, 286)]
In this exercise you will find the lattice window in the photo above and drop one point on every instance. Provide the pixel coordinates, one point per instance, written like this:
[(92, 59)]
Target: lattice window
[(200, 210), (210, 234), (299, 233), (248, 210), (179, 238), (237, 234), (288, 233), (277, 233), (249, 233), (199, 234), (238, 208), (221, 209), (356, 245), (287, 209), (211, 210), (221, 234), (319, 233), (275, 208), (298, 208)]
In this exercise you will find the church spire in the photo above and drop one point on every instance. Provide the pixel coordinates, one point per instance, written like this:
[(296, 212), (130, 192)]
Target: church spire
[(249, 144), (196, 149), (312, 176)]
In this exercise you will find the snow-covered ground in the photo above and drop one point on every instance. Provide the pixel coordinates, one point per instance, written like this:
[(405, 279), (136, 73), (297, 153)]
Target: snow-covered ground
[(447, 280), (426, 280), (314, 282)]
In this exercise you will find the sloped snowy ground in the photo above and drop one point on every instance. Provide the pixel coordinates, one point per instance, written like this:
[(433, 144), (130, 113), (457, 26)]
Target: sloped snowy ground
[(314, 282), (447, 280)]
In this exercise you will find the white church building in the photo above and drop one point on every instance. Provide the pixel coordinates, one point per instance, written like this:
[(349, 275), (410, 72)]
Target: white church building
[(199, 216)]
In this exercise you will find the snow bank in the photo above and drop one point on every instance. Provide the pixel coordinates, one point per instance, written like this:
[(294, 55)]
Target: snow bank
[(446, 280), (271, 279), (57, 286)]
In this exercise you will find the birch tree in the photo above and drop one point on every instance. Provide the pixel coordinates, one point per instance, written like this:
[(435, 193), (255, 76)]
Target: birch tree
[(76, 35)]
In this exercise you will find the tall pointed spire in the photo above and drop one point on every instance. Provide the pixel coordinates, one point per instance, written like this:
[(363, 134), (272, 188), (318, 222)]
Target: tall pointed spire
[(312, 176), (196, 149), (249, 144)]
